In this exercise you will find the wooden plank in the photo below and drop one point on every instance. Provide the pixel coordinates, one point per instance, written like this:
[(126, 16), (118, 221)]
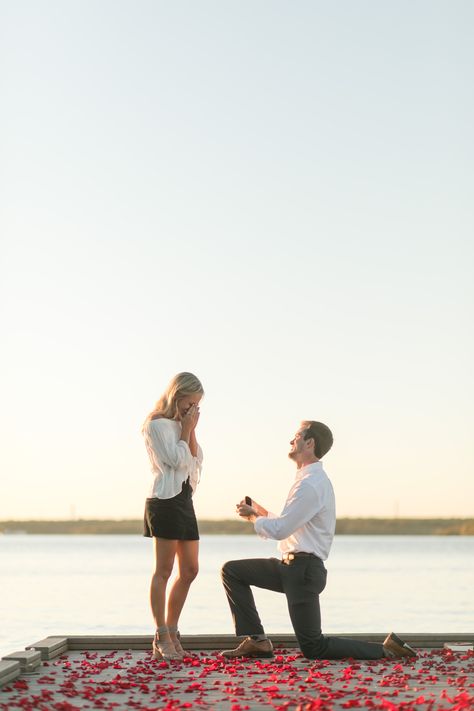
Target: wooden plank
[(137, 642), (9, 670), (29, 660), (83, 642), (134, 680), (50, 647), (225, 641)]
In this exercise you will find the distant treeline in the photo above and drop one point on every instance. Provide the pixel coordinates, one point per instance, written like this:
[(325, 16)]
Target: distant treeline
[(406, 526), (345, 526)]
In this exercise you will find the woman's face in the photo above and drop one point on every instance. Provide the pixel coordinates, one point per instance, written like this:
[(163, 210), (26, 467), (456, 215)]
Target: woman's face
[(185, 403)]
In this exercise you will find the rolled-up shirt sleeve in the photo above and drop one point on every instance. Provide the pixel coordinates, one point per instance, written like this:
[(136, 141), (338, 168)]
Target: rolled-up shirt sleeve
[(303, 504), (175, 454)]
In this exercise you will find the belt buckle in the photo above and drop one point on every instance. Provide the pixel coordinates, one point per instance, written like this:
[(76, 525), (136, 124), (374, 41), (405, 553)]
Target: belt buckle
[(288, 557)]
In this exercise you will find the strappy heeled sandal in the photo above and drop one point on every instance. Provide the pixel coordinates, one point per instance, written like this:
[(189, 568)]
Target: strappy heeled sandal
[(164, 648), (176, 639)]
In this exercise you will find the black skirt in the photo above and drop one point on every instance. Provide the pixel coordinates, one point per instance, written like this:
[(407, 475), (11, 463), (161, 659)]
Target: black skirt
[(173, 519)]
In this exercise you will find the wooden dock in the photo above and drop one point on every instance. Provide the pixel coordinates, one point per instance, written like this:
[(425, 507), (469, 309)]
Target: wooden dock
[(65, 673)]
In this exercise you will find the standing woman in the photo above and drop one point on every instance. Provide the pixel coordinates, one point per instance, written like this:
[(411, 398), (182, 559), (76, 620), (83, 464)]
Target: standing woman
[(176, 458)]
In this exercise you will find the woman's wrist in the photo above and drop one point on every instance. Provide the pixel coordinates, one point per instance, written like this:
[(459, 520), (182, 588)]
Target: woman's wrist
[(185, 433), (193, 443)]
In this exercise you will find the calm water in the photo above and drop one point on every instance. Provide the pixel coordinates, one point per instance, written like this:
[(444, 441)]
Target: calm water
[(52, 585)]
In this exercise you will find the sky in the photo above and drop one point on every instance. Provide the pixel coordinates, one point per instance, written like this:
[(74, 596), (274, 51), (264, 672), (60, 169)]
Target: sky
[(275, 196)]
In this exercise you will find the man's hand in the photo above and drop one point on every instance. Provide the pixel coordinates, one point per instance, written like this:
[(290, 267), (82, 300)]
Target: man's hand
[(246, 511), (259, 510)]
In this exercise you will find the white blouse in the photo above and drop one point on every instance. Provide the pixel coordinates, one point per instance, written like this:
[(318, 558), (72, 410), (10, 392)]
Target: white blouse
[(170, 457)]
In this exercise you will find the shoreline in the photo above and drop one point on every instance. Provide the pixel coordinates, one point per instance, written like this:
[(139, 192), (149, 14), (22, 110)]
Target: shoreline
[(344, 526)]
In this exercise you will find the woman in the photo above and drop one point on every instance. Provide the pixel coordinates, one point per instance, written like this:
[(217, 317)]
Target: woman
[(176, 459)]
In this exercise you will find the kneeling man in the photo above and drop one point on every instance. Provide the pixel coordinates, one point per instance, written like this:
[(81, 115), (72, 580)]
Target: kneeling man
[(305, 530)]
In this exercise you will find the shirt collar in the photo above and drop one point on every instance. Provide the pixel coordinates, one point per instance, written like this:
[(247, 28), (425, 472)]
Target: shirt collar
[(300, 473)]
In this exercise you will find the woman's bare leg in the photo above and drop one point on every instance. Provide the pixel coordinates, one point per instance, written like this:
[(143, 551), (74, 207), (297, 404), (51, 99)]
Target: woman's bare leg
[(187, 553), (165, 552)]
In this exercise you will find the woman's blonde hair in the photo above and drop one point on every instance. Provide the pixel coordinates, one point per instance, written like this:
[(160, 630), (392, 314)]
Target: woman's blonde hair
[(180, 386)]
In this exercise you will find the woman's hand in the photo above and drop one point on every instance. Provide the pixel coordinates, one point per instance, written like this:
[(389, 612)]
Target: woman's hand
[(190, 418), (188, 423)]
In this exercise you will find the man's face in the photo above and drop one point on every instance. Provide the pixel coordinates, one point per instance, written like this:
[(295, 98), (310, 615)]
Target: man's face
[(298, 444)]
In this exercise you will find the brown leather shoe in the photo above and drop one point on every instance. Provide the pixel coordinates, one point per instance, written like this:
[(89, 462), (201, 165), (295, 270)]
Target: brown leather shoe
[(250, 648), (397, 648)]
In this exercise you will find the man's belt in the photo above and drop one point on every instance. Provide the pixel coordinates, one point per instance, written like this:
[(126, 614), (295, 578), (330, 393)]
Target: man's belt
[(288, 557)]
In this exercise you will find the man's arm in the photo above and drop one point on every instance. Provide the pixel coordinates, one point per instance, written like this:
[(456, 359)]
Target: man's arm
[(299, 509)]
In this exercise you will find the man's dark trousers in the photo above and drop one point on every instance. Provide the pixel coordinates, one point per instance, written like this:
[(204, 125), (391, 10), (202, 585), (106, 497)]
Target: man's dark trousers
[(302, 581)]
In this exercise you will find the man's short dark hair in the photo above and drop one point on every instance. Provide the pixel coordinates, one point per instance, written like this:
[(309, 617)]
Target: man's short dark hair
[(321, 434)]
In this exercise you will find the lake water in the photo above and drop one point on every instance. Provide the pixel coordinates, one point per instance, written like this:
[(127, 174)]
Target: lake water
[(54, 585)]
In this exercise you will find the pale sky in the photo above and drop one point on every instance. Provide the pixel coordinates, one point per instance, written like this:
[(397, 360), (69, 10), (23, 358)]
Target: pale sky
[(275, 196)]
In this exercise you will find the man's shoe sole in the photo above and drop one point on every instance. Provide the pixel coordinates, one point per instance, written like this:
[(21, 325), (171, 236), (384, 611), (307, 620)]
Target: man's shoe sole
[(398, 647)]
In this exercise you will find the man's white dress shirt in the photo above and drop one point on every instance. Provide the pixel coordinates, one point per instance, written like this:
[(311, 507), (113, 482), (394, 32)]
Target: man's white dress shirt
[(308, 520), (170, 457)]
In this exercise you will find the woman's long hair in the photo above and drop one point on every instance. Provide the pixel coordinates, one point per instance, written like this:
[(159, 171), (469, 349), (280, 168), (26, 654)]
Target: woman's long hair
[(180, 386)]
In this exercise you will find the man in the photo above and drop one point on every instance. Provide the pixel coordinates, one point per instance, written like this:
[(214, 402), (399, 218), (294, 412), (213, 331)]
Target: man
[(305, 530)]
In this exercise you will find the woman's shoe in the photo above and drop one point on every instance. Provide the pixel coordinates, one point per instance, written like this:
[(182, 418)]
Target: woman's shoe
[(164, 648), (176, 639)]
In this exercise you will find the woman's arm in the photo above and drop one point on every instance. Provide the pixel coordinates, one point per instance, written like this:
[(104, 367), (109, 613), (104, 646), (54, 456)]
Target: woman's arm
[(164, 446), (188, 428), (193, 445)]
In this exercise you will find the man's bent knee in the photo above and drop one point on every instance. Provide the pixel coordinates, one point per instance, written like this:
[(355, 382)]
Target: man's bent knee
[(227, 569), (314, 649)]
